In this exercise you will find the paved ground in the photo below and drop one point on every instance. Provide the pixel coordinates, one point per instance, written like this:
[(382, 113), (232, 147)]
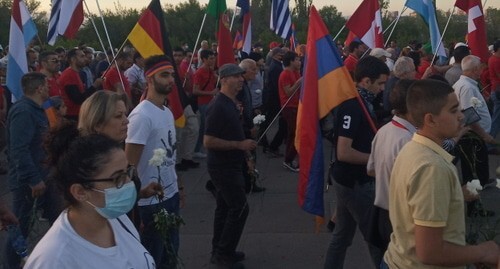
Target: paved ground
[(278, 233)]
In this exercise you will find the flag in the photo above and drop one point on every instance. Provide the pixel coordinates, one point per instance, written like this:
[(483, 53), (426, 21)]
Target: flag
[(476, 37), (149, 37), (425, 8), (51, 113), (247, 24), (218, 10), (281, 22), (351, 37), (22, 31), (238, 41), (293, 39), (326, 84), (366, 22), (65, 19)]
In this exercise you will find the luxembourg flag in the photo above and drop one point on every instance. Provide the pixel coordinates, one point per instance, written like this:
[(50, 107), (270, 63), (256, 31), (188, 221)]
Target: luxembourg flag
[(22, 31), (65, 19), (326, 84), (366, 23)]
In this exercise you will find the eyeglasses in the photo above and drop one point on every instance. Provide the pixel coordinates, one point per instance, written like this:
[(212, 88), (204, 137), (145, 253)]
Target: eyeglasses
[(119, 180), (54, 60)]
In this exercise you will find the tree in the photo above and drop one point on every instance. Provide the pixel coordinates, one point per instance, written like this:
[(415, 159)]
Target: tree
[(333, 20)]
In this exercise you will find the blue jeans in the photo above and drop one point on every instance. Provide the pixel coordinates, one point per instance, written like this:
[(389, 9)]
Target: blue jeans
[(383, 265), (150, 237), (495, 117), (232, 209), (352, 209), (202, 111)]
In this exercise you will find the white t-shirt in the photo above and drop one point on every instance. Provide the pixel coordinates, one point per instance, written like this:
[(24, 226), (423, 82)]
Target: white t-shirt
[(62, 247), (154, 128)]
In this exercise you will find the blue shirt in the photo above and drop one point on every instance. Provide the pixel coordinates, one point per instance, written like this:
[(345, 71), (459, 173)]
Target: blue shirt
[(26, 126)]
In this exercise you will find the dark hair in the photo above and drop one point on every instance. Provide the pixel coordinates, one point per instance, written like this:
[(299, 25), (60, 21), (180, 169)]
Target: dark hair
[(71, 53), (496, 45), (460, 53), (31, 81), (76, 158), (354, 45), (204, 54), (289, 57), (59, 50), (153, 60), (370, 67), (44, 55), (426, 96), (438, 77), (255, 56), (137, 55), (123, 55), (397, 97), (415, 55), (179, 49)]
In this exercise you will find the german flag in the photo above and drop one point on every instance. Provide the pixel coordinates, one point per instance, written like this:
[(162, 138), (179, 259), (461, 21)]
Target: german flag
[(149, 37)]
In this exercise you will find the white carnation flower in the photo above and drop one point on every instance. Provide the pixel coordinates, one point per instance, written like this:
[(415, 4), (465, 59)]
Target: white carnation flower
[(476, 103), (159, 156), (259, 119), (474, 186)]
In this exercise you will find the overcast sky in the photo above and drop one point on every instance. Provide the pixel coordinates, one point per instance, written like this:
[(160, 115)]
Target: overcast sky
[(347, 7)]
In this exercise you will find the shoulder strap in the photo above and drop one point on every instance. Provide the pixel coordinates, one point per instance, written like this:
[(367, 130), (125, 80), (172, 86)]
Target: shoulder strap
[(127, 229)]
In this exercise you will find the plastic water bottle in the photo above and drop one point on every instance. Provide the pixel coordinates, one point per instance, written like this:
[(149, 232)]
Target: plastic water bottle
[(18, 242)]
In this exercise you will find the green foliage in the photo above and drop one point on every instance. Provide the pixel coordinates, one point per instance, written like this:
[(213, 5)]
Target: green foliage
[(334, 21)]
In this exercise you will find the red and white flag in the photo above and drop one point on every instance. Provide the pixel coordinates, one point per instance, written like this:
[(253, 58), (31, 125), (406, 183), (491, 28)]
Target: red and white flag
[(65, 19), (366, 23), (476, 34)]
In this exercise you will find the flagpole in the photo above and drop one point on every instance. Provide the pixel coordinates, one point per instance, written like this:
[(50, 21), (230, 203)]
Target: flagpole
[(277, 114), (111, 46), (337, 35), (389, 26), (442, 36), (232, 19), (96, 31), (394, 27), (194, 48)]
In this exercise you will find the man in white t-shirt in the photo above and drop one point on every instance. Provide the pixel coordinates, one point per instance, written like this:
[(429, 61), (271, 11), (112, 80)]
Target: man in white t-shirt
[(151, 132)]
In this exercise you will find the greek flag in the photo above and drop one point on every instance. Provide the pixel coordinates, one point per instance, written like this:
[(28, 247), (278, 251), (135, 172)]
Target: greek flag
[(281, 22)]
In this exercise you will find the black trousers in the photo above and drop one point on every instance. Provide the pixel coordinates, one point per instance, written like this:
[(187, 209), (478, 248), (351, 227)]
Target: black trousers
[(232, 209), (473, 154)]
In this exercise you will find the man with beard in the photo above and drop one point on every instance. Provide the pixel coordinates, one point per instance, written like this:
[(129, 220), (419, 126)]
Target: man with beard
[(50, 64), (73, 91), (151, 127), (225, 142)]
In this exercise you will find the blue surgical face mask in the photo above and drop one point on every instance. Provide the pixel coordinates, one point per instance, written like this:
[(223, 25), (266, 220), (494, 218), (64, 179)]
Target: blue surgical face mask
[(118, 201)]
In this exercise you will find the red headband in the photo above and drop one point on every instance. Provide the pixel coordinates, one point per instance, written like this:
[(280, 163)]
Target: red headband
[(158, 67)]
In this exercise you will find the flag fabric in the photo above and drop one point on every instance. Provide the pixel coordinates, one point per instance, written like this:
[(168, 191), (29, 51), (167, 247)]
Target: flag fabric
[(247, 24), (281, 21), (66, 17), (218, 10), (326, 84), (22, 31), (293, 39), (351, 37), (426, 10), (476, 37), (238, 41), (51, 113), (366, 22), (149, 37)]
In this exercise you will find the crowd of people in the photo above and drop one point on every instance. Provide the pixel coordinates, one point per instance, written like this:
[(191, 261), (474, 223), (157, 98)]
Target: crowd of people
[(84, 140)]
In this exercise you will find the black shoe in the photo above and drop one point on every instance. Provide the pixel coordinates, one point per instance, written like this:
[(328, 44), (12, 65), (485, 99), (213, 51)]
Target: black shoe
[(256, 188), (238, 256), (226, 262), (190, 163), (330, 226), (181, 167), (209, 186)]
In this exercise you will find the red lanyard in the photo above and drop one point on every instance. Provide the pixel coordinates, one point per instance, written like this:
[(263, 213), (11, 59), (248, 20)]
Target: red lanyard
[(399, 125)]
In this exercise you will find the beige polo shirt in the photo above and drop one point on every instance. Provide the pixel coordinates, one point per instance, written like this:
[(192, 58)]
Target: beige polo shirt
[(424, 190)]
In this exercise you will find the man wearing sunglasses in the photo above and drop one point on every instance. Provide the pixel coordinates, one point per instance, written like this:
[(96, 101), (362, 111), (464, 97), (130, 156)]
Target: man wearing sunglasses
[(50, 66)]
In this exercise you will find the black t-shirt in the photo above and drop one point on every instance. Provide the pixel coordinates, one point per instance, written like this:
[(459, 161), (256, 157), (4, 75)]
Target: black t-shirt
[(351, 122), (223, 120)]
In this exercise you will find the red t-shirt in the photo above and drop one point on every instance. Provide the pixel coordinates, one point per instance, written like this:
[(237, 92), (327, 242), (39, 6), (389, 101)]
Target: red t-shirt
[(424, 64), (112, 77), (54, 87), (202, 77), (494, 67), (183, 73), (350, 63), (70, 77), (288, 78)]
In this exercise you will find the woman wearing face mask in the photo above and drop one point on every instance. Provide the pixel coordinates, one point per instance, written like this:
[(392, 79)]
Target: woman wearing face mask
[(93, 231)]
